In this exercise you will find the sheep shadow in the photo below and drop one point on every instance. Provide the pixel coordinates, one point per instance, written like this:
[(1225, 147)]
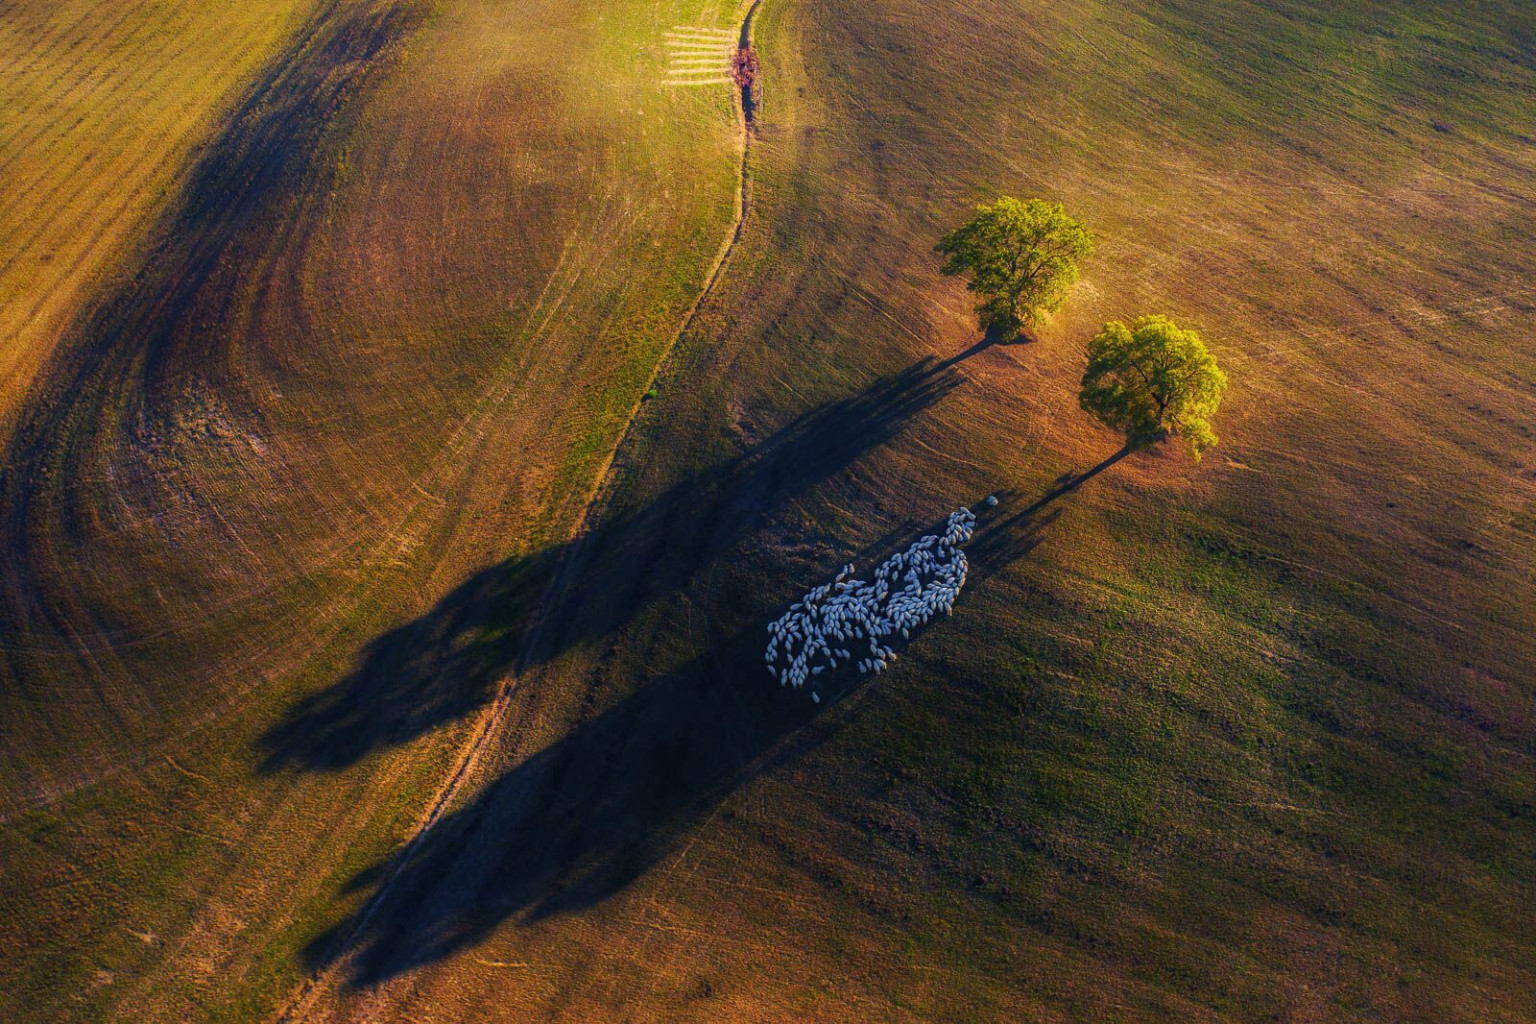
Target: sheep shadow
[(445, 664)]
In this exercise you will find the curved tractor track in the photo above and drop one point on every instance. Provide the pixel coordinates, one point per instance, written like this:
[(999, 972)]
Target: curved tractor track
[(493, 720), (81, 607), (110, 417)]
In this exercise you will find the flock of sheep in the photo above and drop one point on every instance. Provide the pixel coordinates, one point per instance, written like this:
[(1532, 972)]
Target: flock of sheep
[(909, 588)]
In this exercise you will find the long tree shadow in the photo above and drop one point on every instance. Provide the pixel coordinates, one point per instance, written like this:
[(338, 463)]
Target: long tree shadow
[(580, 820), (990, 338), (433, 670), (1007, 533), (445, 664)]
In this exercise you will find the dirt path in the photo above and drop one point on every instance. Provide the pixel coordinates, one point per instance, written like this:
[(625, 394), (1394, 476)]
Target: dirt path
[(493, 719)]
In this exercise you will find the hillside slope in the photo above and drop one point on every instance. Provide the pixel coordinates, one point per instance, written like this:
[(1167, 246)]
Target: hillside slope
[(102, 113), (381, 341), (291, 510), (1244, 741)]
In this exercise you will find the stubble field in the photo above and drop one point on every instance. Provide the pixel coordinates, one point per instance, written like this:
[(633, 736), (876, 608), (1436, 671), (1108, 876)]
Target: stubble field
[(1247, 740)]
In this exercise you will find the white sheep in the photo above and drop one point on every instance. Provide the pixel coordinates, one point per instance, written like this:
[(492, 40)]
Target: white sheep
[(908, 589)]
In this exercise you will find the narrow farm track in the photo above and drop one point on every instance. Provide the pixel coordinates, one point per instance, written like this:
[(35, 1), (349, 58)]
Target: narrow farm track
[(379, 655), (282, 643), (568, 574)]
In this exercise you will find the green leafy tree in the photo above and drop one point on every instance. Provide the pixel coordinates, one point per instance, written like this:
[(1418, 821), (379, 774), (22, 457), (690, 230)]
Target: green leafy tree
[(1153, 379), (1021, 259)]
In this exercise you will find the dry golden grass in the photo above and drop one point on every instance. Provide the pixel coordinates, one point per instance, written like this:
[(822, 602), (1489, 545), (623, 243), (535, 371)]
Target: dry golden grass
[(1243, 741), (391, 325), (335, 339), (103, 110)]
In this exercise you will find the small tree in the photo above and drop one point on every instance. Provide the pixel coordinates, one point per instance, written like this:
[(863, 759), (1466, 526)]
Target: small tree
[(1152, 379), (1021, 259)]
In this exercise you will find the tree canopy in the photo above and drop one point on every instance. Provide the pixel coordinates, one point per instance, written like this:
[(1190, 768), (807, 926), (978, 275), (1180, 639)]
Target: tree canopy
[(1021, 259), (1152, 379)]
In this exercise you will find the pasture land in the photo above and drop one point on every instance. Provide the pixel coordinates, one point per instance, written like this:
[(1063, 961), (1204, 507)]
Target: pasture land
[(1244, 741), (103, 112), (383, 333)]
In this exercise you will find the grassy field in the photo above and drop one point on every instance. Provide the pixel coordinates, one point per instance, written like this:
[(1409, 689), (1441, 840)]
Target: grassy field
[(384, 334), (103, 111), (1248, 740)]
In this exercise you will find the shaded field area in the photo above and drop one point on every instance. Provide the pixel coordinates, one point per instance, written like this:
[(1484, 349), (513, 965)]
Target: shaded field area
[(381, 336), (288, 518), (443, 666), (621, 790), (1243, 741)]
